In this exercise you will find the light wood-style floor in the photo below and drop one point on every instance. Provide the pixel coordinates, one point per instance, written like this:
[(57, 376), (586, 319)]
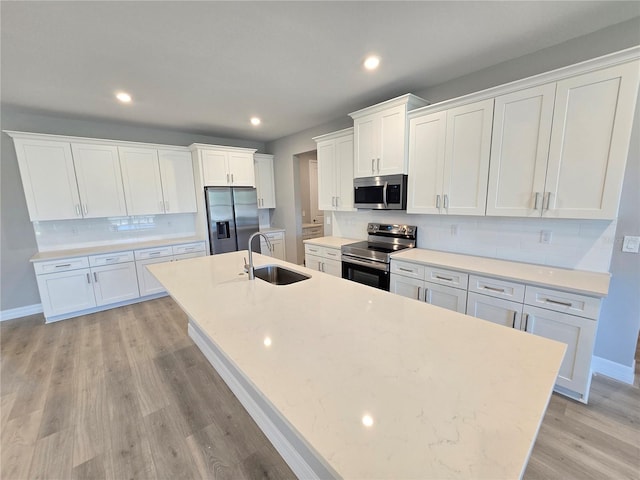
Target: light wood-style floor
[(125, 394)]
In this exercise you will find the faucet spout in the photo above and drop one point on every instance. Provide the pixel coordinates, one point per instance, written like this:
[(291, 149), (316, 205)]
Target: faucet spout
[(249, 267)]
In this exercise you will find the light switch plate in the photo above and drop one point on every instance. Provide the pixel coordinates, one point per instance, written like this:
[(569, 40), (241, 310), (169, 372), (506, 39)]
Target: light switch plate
[(631, 244)]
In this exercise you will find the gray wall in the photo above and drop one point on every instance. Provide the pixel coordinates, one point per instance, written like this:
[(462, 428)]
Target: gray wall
[(17, 281), (620, 319)]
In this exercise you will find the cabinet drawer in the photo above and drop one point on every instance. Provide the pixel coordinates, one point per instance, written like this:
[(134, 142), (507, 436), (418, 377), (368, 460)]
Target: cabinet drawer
[(61, 265), (332, 254), (313, 249), (571, 303), (185, 256), (407, 269), (188, 248), (496, 288), (110, 258), (275, 236), (153, 253), (447, 277)]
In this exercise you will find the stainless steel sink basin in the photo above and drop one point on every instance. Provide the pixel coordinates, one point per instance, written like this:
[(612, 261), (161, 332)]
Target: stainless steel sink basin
[(279, 275)]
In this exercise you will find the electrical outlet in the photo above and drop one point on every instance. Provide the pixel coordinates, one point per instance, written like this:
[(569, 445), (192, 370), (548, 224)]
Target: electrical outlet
[(328, 220), (545, 236), (454, 230), (631, 244), (304, 214)]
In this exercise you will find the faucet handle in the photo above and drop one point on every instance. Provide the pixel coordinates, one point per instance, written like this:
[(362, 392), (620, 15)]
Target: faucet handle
[(246, 265)]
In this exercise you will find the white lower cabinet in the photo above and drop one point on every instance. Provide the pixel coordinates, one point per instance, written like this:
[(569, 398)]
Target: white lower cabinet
[(147, 282), (277, 249), (115, 283), (323, 259), (66, 292), (446, 297), (496, 310)]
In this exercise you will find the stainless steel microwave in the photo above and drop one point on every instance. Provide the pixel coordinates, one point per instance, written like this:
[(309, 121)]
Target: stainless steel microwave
[(388, 192)]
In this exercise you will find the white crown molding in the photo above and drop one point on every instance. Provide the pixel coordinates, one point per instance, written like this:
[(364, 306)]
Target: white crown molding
[(410, 100), (330, 136), (203, 146)]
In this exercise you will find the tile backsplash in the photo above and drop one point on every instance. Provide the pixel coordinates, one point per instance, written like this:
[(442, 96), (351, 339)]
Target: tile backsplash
[(66, 234), (576, 244)]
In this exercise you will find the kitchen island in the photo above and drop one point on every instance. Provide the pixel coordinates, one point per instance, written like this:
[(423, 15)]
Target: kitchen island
[(348, 381)]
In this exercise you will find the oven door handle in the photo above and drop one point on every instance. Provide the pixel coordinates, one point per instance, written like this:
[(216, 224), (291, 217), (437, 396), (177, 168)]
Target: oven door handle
[(384, 195), (365, 263)]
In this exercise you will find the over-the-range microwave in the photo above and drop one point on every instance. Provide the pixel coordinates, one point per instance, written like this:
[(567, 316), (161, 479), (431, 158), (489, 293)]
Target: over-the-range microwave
[(387, 192)]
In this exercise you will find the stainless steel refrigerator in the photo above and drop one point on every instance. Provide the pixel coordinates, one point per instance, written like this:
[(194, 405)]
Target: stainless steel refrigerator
[(232, 214)]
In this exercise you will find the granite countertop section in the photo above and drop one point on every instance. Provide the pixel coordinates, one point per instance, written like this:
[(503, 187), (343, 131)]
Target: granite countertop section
[(578, 281), (448, 395), (118, 247), (332, 242), (272, 230)]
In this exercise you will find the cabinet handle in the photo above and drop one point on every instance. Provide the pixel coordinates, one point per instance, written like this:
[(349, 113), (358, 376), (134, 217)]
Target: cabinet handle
[(405, 269), (548, 198), (486, 287), (319, 266), (378, 162), (418, 297), (373, 163), (84, 207), (444, 278), (323, 266), (78, 214), (513, 325), (227, 178), (63, 265), (556, 302), (526, 321), (535, 202), (155, 253), (426, 295), (446, 201), (232, 178), (438, 202), (166, 206), (337, 202), (95, 277), (88, 279), (112, 259), (333, 199)]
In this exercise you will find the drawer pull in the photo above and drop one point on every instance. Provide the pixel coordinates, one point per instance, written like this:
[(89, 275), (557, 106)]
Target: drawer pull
[(444, 278), (418, 297), (494, 289), (112, 259), (155, 253), (88, 279), (526, 322), (513, 325), (95, 277), (63, 265), (406, 270), (555, 302)]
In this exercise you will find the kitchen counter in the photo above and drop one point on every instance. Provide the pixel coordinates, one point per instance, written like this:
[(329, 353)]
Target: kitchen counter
[(113, 247), (367, 384), (332, 242), (311, 225), (589, 283)]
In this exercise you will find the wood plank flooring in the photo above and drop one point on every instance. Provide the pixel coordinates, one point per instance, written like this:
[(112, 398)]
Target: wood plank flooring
[(126, 394)]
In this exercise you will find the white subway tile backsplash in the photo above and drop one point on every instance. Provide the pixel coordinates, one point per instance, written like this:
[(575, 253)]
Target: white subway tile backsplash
[(578, 244)]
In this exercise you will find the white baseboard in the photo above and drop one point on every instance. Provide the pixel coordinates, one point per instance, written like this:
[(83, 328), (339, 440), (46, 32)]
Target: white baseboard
[(25, 311), (614, 370)]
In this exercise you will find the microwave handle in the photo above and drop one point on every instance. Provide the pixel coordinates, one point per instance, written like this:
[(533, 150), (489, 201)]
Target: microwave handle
[(384, 195)]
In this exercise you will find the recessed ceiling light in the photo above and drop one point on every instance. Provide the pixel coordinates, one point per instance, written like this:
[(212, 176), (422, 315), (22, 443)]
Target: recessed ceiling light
[(255, 121), (372, 62), (123, 97)]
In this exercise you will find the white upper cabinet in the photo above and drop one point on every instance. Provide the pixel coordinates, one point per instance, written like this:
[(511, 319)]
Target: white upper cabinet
[(380, 137), (142, 184), (449, 160), (265, 185), (519, 151), (99, 180), (335, 170), (592, 123), (225, 166), (178, 187), (64, 181)]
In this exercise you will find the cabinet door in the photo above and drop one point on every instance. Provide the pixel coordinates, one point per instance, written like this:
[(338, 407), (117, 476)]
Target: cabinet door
[(327, 175), (407, 287), (332, 267), (66, 292), (519, 152), (313, 262), (365, 146), (115, 283), (49, 179), (446, 297), (147, 283), (142, 184), (466, 166), (344, 174), (265, 184), (496, 310), (427, 136), (241, 169), (592, 123), (392, 141), (577, 333), (214, 168), (99, 180), (178, 186), (278, 250)]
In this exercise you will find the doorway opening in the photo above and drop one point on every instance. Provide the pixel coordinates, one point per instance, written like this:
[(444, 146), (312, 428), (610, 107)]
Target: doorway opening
[(310, 219)]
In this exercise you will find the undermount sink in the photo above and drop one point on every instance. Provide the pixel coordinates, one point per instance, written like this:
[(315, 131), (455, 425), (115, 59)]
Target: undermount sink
[(278, 275)]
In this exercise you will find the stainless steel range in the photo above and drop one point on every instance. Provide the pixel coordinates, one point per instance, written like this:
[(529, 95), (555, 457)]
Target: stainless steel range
[(369, 262)]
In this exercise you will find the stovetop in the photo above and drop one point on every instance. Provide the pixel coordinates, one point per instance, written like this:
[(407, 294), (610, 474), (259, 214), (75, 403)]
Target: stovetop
[(383, 241)]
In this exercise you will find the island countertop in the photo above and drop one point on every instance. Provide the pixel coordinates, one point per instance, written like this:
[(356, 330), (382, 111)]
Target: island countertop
[(378, 385)]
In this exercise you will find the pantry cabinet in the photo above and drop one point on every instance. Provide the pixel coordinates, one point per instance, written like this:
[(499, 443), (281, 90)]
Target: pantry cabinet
[(265, 185), (380, 137), (225, 166), (335, 170), (449, 160)]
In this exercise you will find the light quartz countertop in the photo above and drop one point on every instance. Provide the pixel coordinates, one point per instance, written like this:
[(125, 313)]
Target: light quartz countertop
[(579, 281), (448, 395), (332, 242), (115, 247)]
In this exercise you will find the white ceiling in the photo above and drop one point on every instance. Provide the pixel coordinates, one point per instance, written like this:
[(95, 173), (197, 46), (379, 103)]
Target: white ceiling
[(206, 67)]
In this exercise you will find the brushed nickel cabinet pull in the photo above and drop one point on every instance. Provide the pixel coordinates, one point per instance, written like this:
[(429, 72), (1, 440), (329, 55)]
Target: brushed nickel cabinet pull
[(62, 265), (95, 277), (78, 210), (378, 165), (418, 297), (535, 202), (444, 278), (548, 199), (227, 178), (526, 322), (373, 168), (513, 325), (232, 178), (88, 279), (446, 201), (438, 202), (405, 269), (556, 302), (501, 290)]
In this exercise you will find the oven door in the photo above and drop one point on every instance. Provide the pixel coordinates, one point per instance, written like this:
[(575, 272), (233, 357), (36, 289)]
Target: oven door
[(367, 272)]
